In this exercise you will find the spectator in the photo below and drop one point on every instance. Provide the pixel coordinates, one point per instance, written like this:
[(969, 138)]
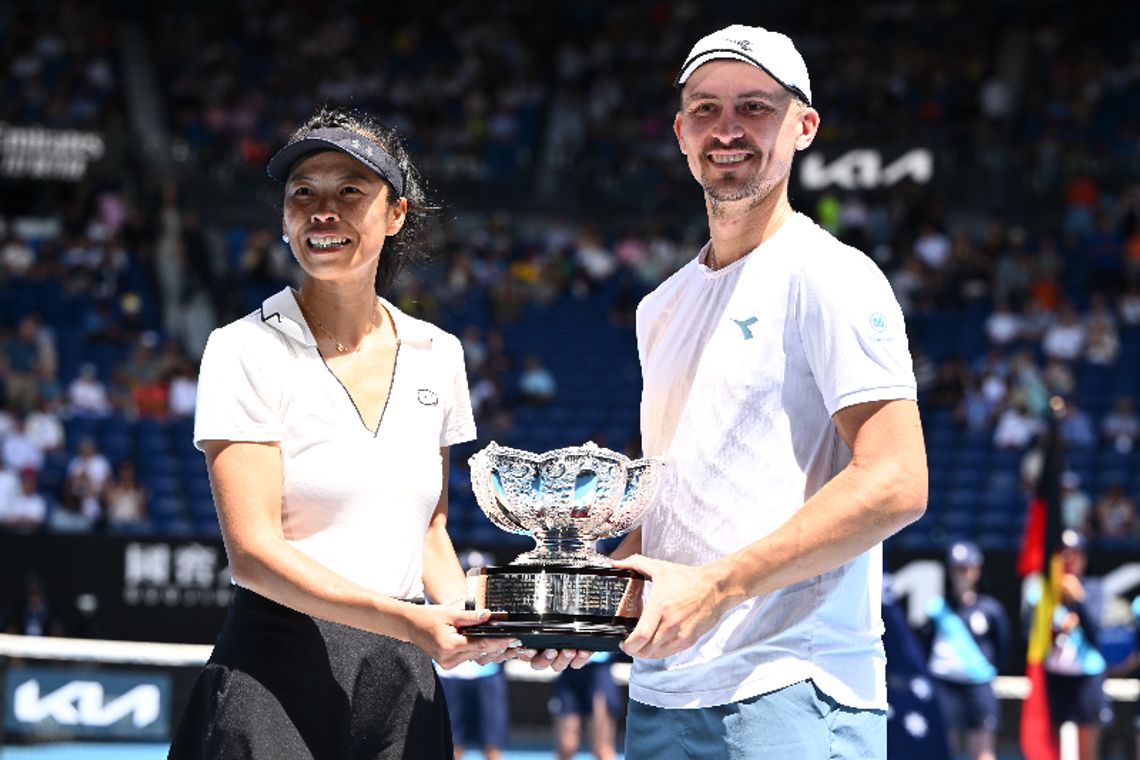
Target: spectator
[(1029, 383), (21, 358), (87, 476), (926, 372), (16, 256), (20, 450), (536, 383), (1076, 426), (486, 396), (1059, 377), (474, 349), (1116, 513), (1035, 321), (1102, 340), (11, 488), (1128, 305), (1065, 339), (974, 411), (144, 375), (29, 508), (1076, 504), (1003, 325), (125, 498), (87, 395), (911, 283), (68, 516), (35, 616), (1016, 428), (949, 388), (45, 427), (183, 389), (1120, 428), (932, 247)]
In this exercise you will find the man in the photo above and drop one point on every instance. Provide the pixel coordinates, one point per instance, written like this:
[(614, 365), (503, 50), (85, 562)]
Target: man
[(778, 383), (969, 637)]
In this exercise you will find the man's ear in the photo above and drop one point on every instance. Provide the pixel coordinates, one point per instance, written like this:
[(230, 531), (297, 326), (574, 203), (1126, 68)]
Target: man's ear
[(809, 127), (680, 136)]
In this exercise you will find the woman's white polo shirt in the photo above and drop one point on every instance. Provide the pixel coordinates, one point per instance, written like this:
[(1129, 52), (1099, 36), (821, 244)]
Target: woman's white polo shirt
[(355, 500)]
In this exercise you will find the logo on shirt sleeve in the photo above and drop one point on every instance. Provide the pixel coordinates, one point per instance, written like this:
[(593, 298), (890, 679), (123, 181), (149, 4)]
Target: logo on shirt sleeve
[(427, 397), (881, 327)]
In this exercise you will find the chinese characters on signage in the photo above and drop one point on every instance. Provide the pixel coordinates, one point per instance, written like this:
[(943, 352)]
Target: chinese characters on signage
[(175, 575), (41, 153)]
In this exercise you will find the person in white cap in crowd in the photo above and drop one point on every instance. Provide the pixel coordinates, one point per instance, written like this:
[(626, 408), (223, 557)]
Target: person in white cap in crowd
[(779, 385), (969, 637)]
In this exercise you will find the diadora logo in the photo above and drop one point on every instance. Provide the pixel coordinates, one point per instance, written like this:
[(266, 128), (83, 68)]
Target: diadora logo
[(745, 326), (878, 322), (742, 44), (427, 397)]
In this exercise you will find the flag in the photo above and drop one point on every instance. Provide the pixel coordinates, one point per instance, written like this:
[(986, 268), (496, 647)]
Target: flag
[(914, 721), (1040, 554)]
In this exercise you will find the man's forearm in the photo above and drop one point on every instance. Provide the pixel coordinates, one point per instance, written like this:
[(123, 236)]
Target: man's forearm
[(629, 545)]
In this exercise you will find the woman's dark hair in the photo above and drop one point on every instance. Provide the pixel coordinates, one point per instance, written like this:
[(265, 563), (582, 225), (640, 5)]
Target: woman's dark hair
[(409, 245)]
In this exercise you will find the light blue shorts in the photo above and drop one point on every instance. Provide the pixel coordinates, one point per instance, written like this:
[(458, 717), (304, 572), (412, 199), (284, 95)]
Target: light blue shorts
[(798, 722)]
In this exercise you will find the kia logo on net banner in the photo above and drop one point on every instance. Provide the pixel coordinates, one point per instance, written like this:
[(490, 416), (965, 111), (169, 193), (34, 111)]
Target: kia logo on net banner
[(43, 702)]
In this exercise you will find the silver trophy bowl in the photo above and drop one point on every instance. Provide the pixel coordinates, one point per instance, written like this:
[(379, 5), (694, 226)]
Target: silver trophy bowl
[(563, 593)]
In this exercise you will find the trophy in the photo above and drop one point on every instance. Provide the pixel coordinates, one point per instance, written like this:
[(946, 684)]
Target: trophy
[(562, 594)]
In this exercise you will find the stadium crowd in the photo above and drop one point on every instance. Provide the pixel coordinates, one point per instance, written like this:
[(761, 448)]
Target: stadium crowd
[(108, 302)]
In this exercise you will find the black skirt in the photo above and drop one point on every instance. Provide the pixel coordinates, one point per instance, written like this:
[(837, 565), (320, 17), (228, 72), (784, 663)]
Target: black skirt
[(282, 685)]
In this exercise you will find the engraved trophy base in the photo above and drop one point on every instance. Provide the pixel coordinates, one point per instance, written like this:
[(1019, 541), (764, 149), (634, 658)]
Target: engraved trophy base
[(550, 606)]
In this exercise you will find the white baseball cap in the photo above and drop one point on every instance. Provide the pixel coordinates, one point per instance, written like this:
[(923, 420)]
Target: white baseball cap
[(771, 51)]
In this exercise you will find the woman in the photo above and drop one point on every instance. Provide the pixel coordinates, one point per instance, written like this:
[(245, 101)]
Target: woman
[(325, 417)]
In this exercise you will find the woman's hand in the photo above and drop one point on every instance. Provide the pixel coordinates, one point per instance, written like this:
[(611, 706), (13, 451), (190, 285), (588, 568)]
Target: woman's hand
[(437, 631), (555, 659)]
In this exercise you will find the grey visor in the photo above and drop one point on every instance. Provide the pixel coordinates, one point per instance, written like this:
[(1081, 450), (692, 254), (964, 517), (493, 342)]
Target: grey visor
[(346, 141)]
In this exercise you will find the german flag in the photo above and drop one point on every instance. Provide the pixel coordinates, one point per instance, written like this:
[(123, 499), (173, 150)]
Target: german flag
[(1040, 554)]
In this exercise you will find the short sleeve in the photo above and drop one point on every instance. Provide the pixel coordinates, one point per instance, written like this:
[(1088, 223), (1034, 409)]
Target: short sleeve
[(237, 400), (853, 332), (459, 422)]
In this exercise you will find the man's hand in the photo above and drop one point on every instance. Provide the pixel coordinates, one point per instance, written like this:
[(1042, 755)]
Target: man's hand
[(684, 604)]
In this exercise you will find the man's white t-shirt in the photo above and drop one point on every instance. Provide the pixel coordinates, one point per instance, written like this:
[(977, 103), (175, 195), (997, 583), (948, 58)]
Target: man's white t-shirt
[(357, 501), (743, 368)]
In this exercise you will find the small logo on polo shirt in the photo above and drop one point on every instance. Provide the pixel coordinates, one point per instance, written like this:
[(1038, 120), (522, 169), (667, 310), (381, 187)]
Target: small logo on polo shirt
[(427, 397), (878, 322), (745, 326)]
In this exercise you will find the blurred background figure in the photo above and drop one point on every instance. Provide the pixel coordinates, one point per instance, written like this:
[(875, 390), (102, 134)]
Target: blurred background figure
[(1075, 667), (969, 637), (581, 697), (476, 695)]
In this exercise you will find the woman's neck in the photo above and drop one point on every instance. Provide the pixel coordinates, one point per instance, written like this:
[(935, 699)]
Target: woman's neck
[(344, 314)]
